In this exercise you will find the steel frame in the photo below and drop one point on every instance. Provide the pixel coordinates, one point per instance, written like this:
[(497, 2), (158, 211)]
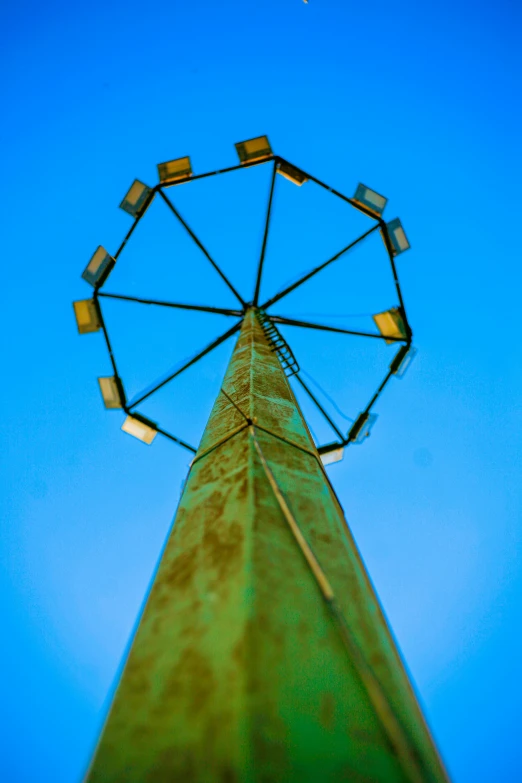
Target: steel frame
[(130, 406)]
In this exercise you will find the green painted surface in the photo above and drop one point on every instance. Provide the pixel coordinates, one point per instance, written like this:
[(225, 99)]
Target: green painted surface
[(238, 673)]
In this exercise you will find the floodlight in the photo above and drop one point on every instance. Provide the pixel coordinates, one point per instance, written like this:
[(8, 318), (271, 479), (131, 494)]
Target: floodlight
[(370, 199), (98, 268), (329, 457), (398, 238), (87, 316), (135, 198), (139, 427), (173, 170), (290, 172), (112, 391), (361, 427), (391, 324), (254, 149), (402, 361)]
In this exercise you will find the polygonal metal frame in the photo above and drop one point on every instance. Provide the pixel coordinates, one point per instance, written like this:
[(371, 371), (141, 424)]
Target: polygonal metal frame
[(278, 163)]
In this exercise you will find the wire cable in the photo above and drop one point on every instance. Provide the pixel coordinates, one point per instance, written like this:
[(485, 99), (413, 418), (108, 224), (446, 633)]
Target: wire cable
[(330, 399)]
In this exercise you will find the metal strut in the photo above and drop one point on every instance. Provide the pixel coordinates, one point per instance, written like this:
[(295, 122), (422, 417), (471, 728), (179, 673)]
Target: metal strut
[(278, 344)]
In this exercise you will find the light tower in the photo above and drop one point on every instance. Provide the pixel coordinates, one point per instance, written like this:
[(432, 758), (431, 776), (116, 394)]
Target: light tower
[(262, 653)]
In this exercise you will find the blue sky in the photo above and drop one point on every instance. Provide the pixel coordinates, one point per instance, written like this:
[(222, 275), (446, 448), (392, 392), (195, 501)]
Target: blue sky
[(420, 103)]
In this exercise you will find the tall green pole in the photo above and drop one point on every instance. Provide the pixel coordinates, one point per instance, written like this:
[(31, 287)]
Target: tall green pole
[(262, 655)]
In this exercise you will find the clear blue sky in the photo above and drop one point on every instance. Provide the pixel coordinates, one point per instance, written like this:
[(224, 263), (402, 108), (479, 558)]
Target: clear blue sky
[(421, 102)]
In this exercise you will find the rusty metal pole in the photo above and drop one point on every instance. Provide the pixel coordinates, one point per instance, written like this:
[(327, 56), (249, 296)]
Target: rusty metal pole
[(262, 655)]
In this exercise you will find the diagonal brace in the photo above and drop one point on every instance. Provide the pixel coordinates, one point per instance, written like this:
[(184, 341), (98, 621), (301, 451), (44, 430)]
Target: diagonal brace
[(317, 269), (265, 236), (188, 364), (179, 305), (319, 406), (279, 319), (187, 228)]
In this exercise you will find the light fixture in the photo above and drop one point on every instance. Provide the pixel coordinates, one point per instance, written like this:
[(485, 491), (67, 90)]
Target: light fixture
[(361, 427), (398, 238), (391, 324), (135, 198), (370, 199), (290, 172), (87, 316), (254, 149), (405, 355), (335, 455), (139, 427), (173, 170), (112, 391), (98, 268)]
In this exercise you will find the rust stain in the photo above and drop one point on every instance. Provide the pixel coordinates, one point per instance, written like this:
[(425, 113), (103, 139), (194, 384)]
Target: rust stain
[(192, 678), (242, 488), (327, 710), (180, 572), (222, 547)]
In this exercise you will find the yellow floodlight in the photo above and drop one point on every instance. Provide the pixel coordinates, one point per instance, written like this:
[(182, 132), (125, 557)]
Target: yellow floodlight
[(254, 149), (87, 316), (370, 199), (391, 324), (336, 455), (291, 173), (402, 361), (173, 170), (112, 391), (139, 427), (397, 235), (98, 268), (135, 198), (361, 427)]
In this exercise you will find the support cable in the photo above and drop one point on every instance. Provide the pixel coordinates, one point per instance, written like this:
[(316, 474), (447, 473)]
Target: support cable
[(328, 397), (319, 407)]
